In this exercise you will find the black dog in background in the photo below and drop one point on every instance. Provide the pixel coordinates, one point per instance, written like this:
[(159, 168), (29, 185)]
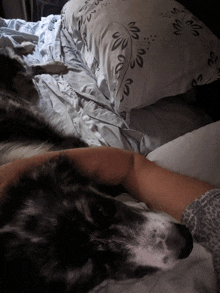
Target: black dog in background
[(58, 231), (23, 131)]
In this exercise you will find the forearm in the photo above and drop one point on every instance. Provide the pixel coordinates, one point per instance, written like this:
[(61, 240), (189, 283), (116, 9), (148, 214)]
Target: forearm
[(162, 189), (104, 164), (159, 188)]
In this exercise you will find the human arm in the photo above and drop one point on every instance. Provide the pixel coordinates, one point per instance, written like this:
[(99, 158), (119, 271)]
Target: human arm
[(202, 219), (161, 189)]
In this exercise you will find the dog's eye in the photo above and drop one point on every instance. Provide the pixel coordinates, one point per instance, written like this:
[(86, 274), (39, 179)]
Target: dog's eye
[(31, 223), (103, 213)]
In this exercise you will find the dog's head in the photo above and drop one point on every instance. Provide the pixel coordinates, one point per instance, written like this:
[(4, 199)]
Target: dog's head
[(59, 233), (16, 77)]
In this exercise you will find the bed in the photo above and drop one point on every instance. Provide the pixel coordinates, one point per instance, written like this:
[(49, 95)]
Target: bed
[(132, 67)]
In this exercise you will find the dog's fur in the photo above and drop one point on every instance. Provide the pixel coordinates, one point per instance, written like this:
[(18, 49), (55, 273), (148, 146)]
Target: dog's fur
[(58, 231)]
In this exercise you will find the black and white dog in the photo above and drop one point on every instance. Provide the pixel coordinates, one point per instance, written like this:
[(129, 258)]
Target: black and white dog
[(58, 231)]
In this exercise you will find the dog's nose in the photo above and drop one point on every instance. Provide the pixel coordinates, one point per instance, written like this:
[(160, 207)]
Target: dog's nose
[(187, 248)]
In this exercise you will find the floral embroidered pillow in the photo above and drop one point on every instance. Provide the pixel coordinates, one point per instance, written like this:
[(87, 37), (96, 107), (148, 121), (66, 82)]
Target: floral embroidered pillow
[(142, 50)]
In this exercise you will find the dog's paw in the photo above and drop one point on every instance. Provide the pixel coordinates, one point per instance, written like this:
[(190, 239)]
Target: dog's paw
[(55, 67), (24, 48)]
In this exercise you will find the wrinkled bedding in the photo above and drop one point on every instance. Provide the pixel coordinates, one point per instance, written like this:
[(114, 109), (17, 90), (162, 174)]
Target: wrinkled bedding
[(75, 104), (74, 99)]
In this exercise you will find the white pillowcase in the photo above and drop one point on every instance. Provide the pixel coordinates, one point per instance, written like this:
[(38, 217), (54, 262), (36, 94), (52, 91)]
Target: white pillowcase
[(140, 50), (196, 154)]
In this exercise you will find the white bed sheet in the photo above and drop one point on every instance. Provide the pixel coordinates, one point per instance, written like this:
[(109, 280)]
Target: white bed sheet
[(74, 99)]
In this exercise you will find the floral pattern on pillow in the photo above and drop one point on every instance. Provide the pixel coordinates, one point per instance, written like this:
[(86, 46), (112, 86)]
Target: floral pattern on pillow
[(213, 62), (144, 50), (136, 57)]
